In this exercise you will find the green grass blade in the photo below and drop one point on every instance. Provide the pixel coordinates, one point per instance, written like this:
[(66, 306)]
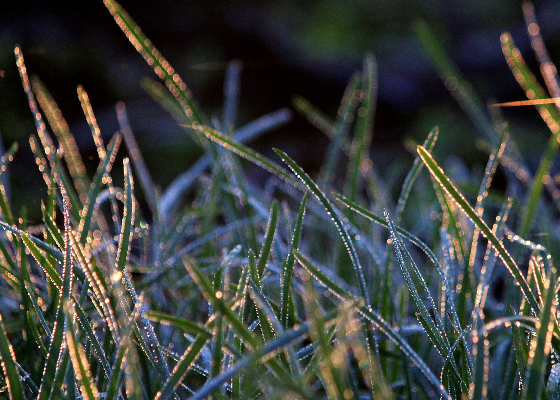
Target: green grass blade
[(413, 173), (379, 220), (50, 270), (315, 116), (268, 239), (478, 390), (90, 205), (128, 218), (249, 154), (376, 319), (288, 266), (183, 366), (334, 214), (9, 365), (63, 135), (539, 355), (550, 115), (153, 57), (78, 357), (178, 322), (450, 189), (56, 347)]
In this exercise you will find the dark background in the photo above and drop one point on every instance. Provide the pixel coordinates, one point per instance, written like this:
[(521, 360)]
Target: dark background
[(288, 48)]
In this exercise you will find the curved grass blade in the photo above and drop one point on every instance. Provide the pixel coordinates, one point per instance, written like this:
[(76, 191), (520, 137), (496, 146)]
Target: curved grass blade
[(446, 185), (153, 57), (551, 117), (178, 322), (78, 357), (413, 173), (102, 171), (9, 365), (312, 186), (376, 319)]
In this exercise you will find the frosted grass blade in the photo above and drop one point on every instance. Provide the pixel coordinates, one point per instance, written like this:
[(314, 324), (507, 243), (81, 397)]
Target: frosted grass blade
[(288, 266), (128, 219), (178, 322), (312, 186), (183, 366), (9, 365), (248, 154), (50, 270), (56, 346), (153, 57), (446, 185), (316, 117), (551, 117), (64, 136), (102, 171), (376, 319), (78, 358), (379, 220), (539, 354), (413, 173)]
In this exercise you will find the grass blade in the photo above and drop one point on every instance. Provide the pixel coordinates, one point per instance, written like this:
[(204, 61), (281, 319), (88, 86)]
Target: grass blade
[(153, 57), (450, 189), (551, 117), (312, 186), (9, 365)]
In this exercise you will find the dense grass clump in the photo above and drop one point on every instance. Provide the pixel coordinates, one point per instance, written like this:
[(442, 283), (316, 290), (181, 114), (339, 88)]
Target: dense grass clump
[(339, 286)]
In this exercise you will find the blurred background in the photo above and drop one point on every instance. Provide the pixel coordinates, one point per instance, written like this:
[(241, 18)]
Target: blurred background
[(307, 48)]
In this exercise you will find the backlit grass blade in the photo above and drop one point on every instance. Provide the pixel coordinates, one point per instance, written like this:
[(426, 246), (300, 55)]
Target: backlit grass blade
[(178, 322), (539, 354), (450, 189), (102, 171), (478, 390), (78, 358), (288, 266), (137, 159), (153, 57), (56, 345), (413, 173), (50, 270), (551, 117), (548, 69), (376, 319), (334, 214), (64, 136), (9, 365)]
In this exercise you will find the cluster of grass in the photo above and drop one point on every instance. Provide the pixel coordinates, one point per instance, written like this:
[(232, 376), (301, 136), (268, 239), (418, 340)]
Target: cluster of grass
[(293, 290)]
